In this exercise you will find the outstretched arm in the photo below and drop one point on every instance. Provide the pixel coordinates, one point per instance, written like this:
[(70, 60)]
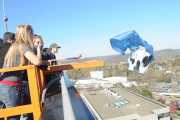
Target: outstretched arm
[(36, 60)]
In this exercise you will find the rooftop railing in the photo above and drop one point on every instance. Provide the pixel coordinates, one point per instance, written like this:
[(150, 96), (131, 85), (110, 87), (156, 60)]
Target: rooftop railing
[(70, 103), (62, 101)]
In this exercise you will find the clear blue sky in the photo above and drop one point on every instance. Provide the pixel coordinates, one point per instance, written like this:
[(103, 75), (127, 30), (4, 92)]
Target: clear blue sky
[(86, 26)]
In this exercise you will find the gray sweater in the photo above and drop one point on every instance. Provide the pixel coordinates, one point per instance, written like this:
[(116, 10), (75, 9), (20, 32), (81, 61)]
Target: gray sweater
[(15, 76)]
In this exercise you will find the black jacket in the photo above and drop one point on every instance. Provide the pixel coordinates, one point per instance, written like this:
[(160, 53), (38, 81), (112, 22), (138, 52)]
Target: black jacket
[(49, 56), (44, 67), (4, 47)]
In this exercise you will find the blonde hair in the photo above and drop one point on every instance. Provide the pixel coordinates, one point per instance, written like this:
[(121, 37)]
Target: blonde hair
[(23, 37), (35, 38)]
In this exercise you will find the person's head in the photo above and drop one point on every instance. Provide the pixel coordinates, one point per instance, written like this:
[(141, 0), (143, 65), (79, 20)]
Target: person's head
[(54, 48), (45, 49), (9, 37), (29, 28), (37, 39), (23, 36)]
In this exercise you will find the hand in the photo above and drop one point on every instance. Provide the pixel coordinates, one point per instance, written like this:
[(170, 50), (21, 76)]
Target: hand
[(40, 45), (49, 62)]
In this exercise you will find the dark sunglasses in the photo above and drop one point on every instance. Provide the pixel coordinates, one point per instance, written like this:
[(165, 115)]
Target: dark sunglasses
[(34, 35)]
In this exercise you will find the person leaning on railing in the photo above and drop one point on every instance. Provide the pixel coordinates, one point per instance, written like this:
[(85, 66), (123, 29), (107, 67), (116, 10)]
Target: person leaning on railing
[(36, 40), (20, 53), (49, 54)]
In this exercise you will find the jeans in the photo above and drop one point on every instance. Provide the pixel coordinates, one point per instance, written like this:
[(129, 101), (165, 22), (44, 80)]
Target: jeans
[(10, 96)]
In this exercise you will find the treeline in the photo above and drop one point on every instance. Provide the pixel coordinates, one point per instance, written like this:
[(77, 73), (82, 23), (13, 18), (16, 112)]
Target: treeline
[(109, 70), (153, 74), (114, 70)]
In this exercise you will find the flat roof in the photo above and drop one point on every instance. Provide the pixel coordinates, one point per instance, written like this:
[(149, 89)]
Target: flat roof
[(100, 99)]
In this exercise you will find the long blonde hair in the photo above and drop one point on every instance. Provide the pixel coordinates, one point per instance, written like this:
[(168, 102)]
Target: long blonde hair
[(23, 37)]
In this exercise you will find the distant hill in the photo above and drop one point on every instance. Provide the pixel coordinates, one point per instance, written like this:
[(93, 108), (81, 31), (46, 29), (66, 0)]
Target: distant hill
[(119, 58), (167, 52)]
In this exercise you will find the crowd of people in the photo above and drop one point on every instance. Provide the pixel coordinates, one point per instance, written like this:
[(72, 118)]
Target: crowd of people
[(19, 49)]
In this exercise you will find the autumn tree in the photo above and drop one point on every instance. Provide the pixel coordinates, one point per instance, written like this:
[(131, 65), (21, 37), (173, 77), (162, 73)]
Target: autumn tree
[(174, 90), (174, 104), (176, 62), (161, 100)]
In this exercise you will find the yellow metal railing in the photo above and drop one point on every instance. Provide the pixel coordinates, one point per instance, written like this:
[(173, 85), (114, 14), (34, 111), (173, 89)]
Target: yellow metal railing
[(37, 84)]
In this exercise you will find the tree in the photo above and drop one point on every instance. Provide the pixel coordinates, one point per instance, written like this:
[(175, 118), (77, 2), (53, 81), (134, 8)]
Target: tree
[(145, 92), (163, 63), (168, 80), (100, 87), (107, 73), (174, 105), (174, 90), (162, 101), (134, 89), (176, 62)]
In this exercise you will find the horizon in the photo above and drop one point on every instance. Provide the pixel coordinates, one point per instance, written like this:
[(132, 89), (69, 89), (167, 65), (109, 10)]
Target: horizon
[(86, 27), (127, 53)]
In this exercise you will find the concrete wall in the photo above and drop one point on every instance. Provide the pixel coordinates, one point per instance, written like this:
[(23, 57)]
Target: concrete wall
[(96, 74), (128, 84), (167, 118), (115, 80), (85, 81), (108, 85)]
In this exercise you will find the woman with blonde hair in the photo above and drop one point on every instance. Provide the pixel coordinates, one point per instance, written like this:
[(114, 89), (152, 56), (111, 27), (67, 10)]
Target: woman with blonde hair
[(19, 54), (36, 40)]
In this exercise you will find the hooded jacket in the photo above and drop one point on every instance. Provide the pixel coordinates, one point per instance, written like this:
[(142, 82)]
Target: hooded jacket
[(49, 56), (4, 47)]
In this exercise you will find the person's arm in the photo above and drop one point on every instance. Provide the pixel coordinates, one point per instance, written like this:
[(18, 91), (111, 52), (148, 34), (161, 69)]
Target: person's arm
[(36, 60)]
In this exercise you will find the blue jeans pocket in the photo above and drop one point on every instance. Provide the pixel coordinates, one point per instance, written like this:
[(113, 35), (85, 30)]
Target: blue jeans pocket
[(10, 95), (5, 95)]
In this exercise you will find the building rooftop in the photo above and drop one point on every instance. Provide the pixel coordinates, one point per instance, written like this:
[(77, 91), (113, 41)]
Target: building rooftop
[(138, 104), (89, 78)]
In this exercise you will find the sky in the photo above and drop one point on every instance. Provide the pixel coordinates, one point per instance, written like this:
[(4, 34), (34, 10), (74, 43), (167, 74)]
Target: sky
[(86, 26)]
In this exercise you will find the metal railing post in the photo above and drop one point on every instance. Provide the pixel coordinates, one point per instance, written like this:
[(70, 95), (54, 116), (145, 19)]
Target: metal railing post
[(67, 106)]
